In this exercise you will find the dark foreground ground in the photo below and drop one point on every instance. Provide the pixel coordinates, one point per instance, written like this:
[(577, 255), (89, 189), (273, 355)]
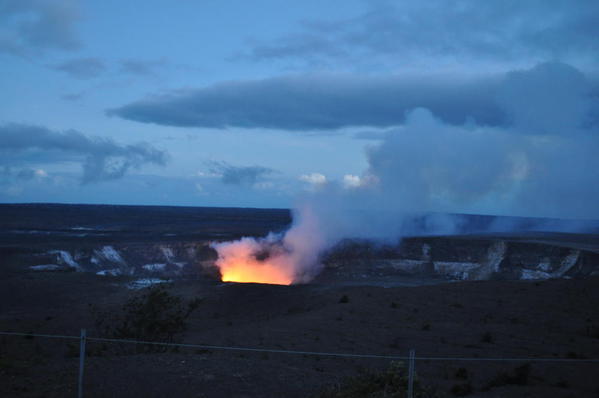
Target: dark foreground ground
[(472, 319), (550, 319)]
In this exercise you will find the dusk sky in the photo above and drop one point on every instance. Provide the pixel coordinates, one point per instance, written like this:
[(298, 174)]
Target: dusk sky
[(254, 104)]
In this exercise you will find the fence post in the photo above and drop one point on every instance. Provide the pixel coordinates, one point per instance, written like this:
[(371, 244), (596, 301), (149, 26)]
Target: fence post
[(411, 374), (81, 363)]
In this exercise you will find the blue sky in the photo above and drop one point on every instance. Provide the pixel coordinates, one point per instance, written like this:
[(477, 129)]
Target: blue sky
[(255, 104)]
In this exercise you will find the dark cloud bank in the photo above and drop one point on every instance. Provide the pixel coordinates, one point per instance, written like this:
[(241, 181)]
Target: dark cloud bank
[(303, 103), (23, 147), (316, 103), (468, 30)]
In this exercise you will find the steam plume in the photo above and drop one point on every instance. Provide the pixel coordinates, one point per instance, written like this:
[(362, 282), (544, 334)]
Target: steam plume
[(544, 164)]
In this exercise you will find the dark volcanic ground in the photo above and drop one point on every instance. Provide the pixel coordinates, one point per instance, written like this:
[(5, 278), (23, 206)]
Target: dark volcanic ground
[(38, 223), (556, 318)]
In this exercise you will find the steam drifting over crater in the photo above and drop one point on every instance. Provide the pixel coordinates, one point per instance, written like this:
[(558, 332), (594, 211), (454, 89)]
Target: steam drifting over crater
[(542, 163)]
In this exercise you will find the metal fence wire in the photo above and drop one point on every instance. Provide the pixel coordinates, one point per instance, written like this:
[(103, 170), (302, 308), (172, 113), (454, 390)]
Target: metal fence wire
[(411, 358)]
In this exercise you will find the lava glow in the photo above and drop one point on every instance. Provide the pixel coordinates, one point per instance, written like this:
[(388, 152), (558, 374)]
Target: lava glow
[(256, 272), (238, 262), (281, 259)]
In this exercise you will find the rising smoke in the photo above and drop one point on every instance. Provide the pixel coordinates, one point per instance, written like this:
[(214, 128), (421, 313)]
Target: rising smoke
[(544, 164)]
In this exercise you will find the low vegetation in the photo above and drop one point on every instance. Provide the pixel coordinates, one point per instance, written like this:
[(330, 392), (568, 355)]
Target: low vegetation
[(518, 376), (390, 383), (461, 389), (155, 315)]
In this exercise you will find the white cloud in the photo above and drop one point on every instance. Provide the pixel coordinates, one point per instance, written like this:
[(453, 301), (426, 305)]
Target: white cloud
[(208, 174), (351, 181), (313, 178), (40, 173)]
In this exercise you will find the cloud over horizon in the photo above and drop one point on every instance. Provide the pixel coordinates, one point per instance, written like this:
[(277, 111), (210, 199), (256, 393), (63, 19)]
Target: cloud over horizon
[(329, 102), (316, 102), (24, 146), (238, 175)]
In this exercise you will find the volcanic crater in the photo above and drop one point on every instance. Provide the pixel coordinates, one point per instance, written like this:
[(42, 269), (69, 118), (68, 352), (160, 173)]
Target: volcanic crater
[(532, 294)]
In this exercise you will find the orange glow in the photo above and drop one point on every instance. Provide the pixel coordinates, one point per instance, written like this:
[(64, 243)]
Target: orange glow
[(254, 272), (280, 259), (238, 263)]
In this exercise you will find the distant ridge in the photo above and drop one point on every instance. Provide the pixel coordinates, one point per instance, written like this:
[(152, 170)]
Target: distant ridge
[(48, 216)]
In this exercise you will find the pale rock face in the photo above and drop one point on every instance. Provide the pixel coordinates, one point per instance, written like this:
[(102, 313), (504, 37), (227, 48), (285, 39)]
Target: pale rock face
[(154, 267), (67, 259), (110, 254), (409, 266), (46, 267), (168, 254), (110, 272), (455, 270), (452, 260), (496, 255), (545, 264), (145, 282), (528, 274), (490, 264), (567, 263)]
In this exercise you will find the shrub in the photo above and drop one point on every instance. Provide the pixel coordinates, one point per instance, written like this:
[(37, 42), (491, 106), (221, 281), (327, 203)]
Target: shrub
[(461, 390), (154, 315), (461, 373), (391, 383), (519, 376), (487, 337), (592, 331), (72, 350)]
